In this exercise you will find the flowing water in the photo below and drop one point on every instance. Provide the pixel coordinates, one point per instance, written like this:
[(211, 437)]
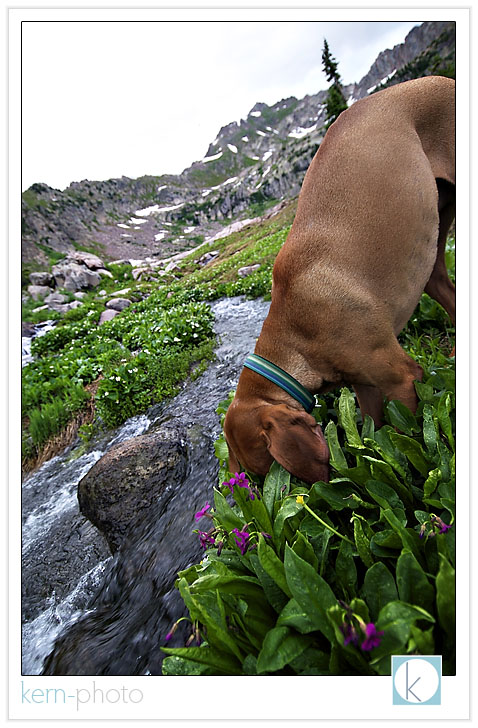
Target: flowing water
[(117, 611)]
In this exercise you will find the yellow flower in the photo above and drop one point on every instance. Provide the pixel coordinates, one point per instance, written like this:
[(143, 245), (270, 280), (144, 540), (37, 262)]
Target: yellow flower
[(300, 500)]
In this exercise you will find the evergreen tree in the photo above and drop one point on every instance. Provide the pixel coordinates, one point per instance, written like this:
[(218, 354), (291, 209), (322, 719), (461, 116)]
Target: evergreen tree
[(335, 102)]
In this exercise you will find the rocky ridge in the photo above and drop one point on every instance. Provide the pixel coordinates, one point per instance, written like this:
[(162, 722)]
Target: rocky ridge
[(249, 166)]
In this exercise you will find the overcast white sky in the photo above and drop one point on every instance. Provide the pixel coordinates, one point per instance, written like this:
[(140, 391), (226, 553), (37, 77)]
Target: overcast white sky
[(106, 99)]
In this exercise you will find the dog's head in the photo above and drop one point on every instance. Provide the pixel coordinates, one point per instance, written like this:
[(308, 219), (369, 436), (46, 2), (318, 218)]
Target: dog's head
[(257, 434)]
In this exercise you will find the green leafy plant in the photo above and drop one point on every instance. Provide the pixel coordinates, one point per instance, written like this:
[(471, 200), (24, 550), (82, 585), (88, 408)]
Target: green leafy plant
[(336, 577)]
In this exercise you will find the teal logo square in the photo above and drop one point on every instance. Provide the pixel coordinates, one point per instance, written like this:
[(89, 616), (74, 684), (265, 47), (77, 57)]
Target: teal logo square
[(416, 679)]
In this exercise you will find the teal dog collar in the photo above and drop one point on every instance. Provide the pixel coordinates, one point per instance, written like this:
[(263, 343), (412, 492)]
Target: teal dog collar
[(283, 380)]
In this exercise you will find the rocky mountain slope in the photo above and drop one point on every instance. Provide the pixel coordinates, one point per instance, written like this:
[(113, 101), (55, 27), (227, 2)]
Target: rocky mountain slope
[(250, 166)]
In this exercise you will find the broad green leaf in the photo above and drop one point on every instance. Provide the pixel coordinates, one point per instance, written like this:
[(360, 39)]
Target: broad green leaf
[(383, 473), (379, 588), (445, 460), (221, 450), (224, 663), (424, 391), (180, 666), (337, 457), (401, 417), (443, 413), (409, 538), (421, 641), (445, 599), (396, 620), (431, 482), (345, 569), (280, 646), (384, 494), (413, 450), (430, 434), (388, 538), (336, 495), (249, 666), (310, 590), (383, 444), (347, 417), (274, 594), (293, 615), (368, 428), (275, 479), (225, 514), (303, 548), (413, 585), (362, 543), (288, 509), (311, 662), (271, 564)]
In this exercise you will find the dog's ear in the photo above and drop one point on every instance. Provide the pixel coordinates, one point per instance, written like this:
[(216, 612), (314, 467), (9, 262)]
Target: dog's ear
[(296, 441)]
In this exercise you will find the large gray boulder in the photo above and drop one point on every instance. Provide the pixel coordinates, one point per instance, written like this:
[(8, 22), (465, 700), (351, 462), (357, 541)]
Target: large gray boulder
[(89, 259), (37, 292), (123, 485), (42, 278), (107, 315), (75, 277), (118, 304)]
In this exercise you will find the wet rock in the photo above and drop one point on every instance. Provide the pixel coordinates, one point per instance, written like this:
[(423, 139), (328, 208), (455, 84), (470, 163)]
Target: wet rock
[(118, 304), (125, 483), (37, 292), (42, 278), (28, 329), (80, 295), (248, 269), (104, 272), (107, 315), (50, 569)]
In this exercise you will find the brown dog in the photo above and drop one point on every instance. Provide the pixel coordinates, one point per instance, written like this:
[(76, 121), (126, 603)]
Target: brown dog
[(368, 237)]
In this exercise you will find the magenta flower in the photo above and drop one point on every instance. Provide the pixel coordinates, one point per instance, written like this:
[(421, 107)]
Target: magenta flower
[(373, 637), (433, 526), (437, 521), (205, 539), (350, 634), (241, 481), (202, 512), (242, 540)]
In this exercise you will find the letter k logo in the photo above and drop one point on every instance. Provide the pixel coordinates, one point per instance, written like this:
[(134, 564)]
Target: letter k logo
[(409, 687)]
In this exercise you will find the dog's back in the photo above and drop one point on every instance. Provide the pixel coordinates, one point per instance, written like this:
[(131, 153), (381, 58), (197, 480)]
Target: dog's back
[(364, 236)]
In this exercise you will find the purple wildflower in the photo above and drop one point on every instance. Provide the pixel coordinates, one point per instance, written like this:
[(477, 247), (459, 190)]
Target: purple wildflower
[(168, 636), (242, 540), (241, 481), (373, 637), (423, 528), (205, 539), (202, 512), (437, 521), (350, 634)]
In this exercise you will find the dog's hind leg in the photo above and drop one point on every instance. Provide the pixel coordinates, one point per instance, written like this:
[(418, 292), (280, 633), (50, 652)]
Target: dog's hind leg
[(439, 285)]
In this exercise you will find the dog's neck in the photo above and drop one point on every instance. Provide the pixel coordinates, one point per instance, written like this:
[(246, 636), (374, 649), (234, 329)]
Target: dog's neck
[(273, 346)]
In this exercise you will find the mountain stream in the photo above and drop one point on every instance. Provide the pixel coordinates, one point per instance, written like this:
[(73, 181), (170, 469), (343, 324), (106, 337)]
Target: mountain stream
[(110, 614)]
